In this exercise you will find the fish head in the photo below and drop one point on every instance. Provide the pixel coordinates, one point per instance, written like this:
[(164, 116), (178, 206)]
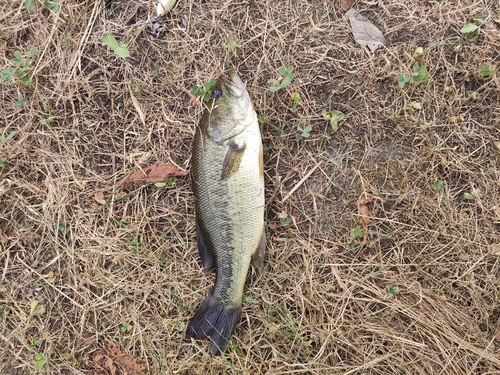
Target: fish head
[(230, 109)]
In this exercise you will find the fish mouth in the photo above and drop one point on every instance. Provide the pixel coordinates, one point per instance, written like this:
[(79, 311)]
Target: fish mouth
[(232, 84)]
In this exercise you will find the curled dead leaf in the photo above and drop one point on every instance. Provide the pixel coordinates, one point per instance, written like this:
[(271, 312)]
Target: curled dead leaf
[(363, 211), (365, 32), (159, 172), (131, 365), (103, 365)]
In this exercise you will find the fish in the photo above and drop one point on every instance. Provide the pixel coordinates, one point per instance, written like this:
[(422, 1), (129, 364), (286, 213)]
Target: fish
[(228, 186)]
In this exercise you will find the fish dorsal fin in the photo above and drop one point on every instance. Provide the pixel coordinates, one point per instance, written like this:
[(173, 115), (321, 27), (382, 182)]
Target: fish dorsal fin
[(232, 160)]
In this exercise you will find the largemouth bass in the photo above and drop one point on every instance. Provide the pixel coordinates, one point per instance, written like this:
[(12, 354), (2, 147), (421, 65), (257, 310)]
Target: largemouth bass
[(228, 185)]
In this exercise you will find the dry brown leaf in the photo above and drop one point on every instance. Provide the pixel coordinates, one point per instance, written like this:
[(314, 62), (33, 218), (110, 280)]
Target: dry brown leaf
[(103, 365), (497, 336), (112, 350), (365, 32), (3, 238), (132, 365), (363, 211), (346, 5), (99, 197), (156, 173), (129, 363)]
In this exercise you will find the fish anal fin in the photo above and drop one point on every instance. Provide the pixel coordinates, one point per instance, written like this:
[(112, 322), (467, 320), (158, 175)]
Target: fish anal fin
[(232, 160), (215, 321), (260, 251), (207, 257)]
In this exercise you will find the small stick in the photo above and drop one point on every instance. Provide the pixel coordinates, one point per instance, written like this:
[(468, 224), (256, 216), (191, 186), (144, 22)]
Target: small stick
[(301, 181), (113, 164)]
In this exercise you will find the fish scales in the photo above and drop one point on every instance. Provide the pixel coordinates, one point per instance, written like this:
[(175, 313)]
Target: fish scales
[(227, 172)]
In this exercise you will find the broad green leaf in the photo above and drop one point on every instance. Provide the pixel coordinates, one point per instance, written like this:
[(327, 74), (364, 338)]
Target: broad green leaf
[(110, 41), (160, 184), (11, 135), (356, 232), (119, 48), (418, 52), (21, 102), (392, 290), (29, 4), (402, 80), (33, 306), (481, 15), (468, 196), (41, 360), (18, 58), (7, 75), (32, 51), (122, 50), (469, 28), (485, 71), (437, 186), (52, 5), (337, 116), (286, 222), (49, 120)]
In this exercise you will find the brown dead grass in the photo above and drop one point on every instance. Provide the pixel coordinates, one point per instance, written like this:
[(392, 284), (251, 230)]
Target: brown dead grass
[(318, 307)]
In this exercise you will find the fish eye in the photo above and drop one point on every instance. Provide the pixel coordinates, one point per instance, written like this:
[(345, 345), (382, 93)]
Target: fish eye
[(216, 94)]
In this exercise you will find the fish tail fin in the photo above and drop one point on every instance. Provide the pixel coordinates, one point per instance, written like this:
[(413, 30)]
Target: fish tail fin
[(214, 321)]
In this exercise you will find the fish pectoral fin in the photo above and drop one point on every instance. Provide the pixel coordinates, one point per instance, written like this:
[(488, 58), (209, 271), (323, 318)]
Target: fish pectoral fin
[(232, 160), (207, 257), (260, 251)]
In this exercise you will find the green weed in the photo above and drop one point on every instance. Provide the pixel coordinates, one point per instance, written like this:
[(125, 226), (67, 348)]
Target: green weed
[(205, 91), (419, 74), (29, 5), (126, 327), (437, 186), (34, 343), (52, 5), (169, 181), (118, 48), (264, 120), (287, 75), (286, 221), (481, 15), (18, 72), (296, 101), (471, 30), (3, 141), (41, 360), (304, 133), (392, 291), (418, 52), (333, 118), (485, 71)]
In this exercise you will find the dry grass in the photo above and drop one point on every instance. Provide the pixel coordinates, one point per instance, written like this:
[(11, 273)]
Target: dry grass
[(319, 307)]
